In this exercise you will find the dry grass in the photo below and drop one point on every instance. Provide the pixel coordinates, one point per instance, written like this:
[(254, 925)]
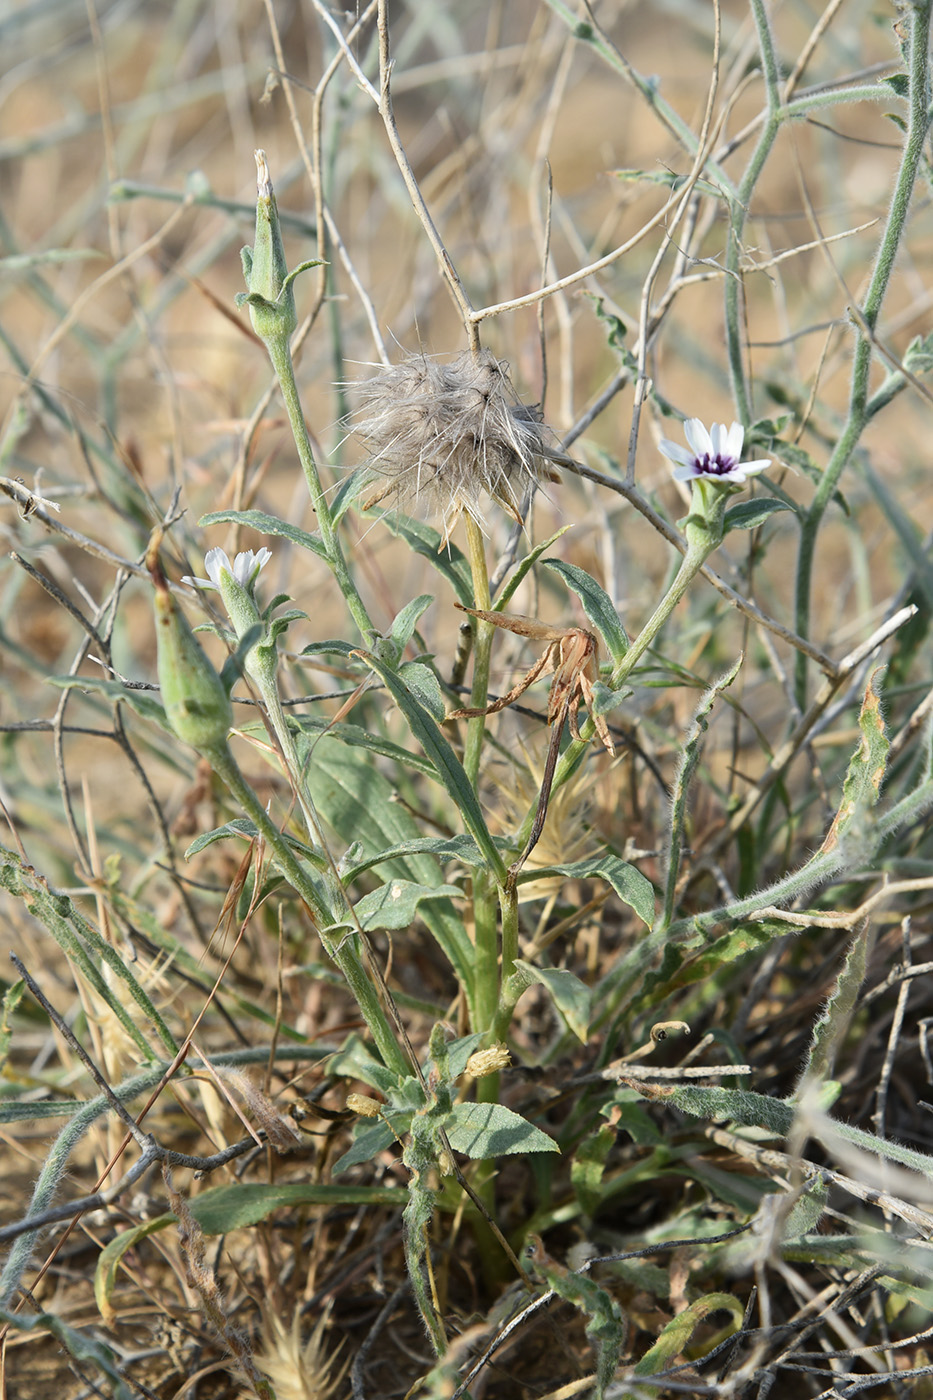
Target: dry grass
[(135, 393)]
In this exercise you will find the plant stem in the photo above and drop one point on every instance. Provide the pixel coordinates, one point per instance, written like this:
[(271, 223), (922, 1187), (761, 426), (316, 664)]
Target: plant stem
[(738, 213), (482, 648), (918, 62), (508, 905), (281, 357)]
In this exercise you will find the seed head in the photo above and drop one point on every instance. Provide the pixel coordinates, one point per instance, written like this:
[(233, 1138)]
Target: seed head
[(442, 435)]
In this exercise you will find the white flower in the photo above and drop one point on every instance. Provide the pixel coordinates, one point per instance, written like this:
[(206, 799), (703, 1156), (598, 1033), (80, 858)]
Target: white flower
[(714, 456), (244, 570)]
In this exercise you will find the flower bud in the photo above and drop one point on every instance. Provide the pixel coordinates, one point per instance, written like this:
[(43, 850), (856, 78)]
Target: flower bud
[(364, 1106), (270, 297), (196, 701), (483, 1062)]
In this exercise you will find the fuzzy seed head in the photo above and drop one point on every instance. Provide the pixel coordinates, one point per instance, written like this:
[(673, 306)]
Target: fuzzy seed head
[(444, 435)]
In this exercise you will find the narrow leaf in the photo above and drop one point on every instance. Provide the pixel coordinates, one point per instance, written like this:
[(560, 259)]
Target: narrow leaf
[(450, 770), (632, 887), (425, 540), (266, 525), (866, 767), (690, 758), (748, 515), (223, 1208), (676, 1335), (572, 997), (597, 605), (395, 904)]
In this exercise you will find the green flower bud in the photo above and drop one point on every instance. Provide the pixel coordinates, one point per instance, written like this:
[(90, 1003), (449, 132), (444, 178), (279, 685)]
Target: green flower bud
[(196, 701), (270, 298)]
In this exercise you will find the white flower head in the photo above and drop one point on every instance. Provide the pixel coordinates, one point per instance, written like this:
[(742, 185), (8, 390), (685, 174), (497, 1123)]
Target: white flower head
[(443, 435), (244, 570), (712, 456)]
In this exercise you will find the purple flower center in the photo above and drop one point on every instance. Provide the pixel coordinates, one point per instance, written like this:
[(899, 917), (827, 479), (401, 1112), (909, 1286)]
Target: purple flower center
[(709, 465)]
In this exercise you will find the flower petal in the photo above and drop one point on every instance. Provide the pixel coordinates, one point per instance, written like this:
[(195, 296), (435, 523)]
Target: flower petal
[(675, 452), (698, 438), (214, 561), (735, 437), (745, 469), (688, 472)]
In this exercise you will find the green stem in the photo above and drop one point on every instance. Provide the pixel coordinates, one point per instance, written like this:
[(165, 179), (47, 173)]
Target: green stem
[(508, 905), (918, 43), (482, 649), (486, 964), (344, 952), (281, 357), (738, 213)]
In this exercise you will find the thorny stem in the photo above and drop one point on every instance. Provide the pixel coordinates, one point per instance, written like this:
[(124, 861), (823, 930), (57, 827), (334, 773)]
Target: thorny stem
[(918, 62), (344, 952), (281, 358)]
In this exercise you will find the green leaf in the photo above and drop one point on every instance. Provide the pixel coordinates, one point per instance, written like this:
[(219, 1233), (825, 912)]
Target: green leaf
[(523, 566), (242, 827), (11, 1000), (690, 758), (78, 939), (224, 1208), (597, 605), (834, 1019), (108, 1262), (866, 767), (460, 848), (141, 702), (481, 1130), (425, 540), (632, 887), (450, 770), (741, 1106), (358, 737), (668, 179), (423, 683), (589, 1165), (354, 1061), (676, 1335), (347, 492), (748, 515), (78, 1344), (899, 83), (407, 620), (266, 525), (370, 1141), (395, 904), (683, 971), (572, 997), (357, 801)]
